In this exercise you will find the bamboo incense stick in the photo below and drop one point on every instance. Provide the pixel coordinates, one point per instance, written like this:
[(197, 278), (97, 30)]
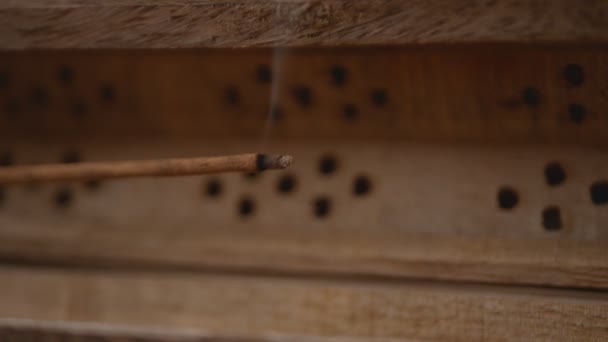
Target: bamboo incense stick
[(251, 162)]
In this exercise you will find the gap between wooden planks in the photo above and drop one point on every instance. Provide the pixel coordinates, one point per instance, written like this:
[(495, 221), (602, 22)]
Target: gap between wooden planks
[(242, 305), (242, 23)]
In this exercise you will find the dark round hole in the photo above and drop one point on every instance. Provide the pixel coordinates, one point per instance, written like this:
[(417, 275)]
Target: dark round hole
[(213, 188), (65, 74), (531, 96), (322, 206), (328, 165), (12, 107), (507, 198), (577, 112), (362, 186), (287, 183), (232, 95), (574, 74), (599, 192), (39, 96), (339, 75), (251, 175), (6, 158), (107, 93), (264, 73), (379, 97), (555, 174), (246, 207), (351, 112), (276, 114), (79, 109), (552, 218), (303, 96), (71, 156), (92, 184), (63, 198)]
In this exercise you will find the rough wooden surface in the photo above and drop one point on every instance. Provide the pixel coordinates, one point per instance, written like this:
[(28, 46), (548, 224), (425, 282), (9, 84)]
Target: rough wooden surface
[(430, 212), (251, 306), (458, 94), (243, 23)]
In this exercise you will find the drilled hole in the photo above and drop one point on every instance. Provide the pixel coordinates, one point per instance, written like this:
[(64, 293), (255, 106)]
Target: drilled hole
[(79, 109), (287, 183), (232, 95), (322, 206), (65, 74), (303, 96), (531, 96), (362, 186), (599, 192), (574, 74), (251, 176), (552, 218), (339, 74), (276, 114), (107, 93), (507, 198), (39, 96), (93, 184), (246, 207), (328, 165), (577, 113), (63, 198), (264, 73), (71, 156), (555, 174), (379, 97), (351, 112), (213, 188)]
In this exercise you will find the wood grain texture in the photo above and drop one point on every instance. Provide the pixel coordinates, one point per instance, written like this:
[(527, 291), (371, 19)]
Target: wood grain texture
[(243, 23), (255, 306), (431, 212), (449, 95)]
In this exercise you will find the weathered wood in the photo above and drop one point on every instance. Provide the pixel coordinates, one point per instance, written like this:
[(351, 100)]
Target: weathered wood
[(243, 23), (254, 306), (430, 212)]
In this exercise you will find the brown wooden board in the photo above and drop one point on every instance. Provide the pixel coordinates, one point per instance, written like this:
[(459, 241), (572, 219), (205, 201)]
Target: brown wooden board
[(501, 94), (386, 209), (243, 23), (257, 306)]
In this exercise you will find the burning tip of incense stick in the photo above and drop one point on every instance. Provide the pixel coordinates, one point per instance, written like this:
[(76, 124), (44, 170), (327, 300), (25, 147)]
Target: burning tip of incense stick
[(265, 161)]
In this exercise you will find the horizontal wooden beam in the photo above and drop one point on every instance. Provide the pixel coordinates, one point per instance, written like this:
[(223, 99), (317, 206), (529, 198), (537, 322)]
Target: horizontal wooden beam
[(244, 23), (251, 306), (421, 211)]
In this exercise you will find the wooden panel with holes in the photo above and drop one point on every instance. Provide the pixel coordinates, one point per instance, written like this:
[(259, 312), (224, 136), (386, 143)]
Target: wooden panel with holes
[(471, 94), (389, 178)]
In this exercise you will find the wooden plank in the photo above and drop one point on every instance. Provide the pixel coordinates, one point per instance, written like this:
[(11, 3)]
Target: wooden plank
[(431, 211), (253, 306), (54, 331), (243, 23), (430, 94)]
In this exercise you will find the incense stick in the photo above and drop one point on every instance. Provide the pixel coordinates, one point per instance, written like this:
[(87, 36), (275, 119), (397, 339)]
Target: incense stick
[(251, 162)]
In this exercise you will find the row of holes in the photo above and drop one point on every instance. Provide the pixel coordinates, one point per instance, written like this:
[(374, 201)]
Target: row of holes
[(555, 175), (574, 75)]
